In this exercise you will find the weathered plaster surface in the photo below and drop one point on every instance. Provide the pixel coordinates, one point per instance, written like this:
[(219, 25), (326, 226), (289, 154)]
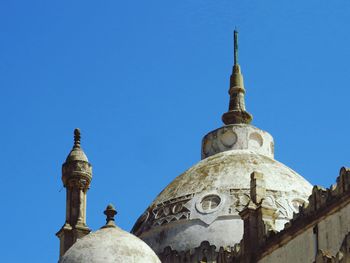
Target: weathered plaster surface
[(299, 250), (110, 245), (231, 170), (329, 236), (225, 175), (237, 137), (191, 233), (332, 230)]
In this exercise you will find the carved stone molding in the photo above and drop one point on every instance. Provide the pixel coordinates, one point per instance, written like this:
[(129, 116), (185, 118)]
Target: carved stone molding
[(164, 213), (204, 253), (231, 203), (76, 170)]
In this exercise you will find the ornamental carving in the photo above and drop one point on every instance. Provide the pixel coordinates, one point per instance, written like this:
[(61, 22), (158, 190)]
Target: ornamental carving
[(204, 253), (77, 166), (79, 183), (164, 213), (285, 203)]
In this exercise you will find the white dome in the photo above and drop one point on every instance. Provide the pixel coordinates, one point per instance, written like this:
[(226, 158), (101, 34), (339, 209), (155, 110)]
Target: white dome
[(110, 245), (203, 203)]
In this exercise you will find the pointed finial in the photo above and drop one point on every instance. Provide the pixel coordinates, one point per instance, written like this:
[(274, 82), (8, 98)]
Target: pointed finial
[(77, 138), (110, 212), (236, 113), (235, 46)]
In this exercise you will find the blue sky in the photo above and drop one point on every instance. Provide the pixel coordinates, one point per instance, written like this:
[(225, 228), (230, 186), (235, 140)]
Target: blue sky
[(145, 81)]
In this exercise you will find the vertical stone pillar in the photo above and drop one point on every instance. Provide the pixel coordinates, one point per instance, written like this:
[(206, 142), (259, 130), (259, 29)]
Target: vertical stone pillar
[(258, 219)]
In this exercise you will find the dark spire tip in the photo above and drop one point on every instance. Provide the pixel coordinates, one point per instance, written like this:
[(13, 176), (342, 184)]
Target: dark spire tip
[(77, 138)]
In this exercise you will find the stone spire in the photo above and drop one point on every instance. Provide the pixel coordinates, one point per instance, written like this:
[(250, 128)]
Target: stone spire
[(237, 113), (76, 178), (237, 134), (77, 138)]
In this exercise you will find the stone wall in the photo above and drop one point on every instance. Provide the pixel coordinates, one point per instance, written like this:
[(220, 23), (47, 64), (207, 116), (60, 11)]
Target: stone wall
[(319, 233)]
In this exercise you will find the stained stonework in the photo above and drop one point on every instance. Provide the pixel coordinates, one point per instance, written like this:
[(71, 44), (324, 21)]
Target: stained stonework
[(237, 205), (319, 233), (237, 137), (342, 256), (204, 253), (76, 178), (224, 177), (110, 244)]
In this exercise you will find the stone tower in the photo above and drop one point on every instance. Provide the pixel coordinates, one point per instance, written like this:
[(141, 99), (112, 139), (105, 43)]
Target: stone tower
[(76, 177)]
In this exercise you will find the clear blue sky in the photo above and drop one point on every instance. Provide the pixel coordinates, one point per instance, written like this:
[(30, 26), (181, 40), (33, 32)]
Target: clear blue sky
[(144, 81)]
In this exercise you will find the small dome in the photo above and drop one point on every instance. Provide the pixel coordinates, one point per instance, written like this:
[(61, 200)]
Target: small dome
[(77, 154), (110, 245)]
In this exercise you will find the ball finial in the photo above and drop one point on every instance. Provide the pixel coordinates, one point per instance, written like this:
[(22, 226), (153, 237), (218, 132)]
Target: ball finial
[(110, 212)]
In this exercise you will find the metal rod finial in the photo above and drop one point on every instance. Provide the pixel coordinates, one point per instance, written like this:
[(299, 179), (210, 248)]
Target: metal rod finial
[(235, 47)]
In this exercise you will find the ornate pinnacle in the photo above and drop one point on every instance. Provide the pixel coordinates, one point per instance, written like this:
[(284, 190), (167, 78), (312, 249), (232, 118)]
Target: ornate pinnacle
[(77, 138), (110, 212), (237, 113), (77, 153)]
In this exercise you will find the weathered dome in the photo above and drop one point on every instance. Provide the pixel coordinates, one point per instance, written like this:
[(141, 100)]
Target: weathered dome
[(110, 245), (203, 203), (77, 153)]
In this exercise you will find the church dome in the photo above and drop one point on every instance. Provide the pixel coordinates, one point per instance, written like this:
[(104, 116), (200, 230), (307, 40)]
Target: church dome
[(203, 203), (110, 244)]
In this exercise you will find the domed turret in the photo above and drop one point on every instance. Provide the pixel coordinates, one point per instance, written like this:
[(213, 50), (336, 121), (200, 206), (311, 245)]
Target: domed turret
[(203, 204), (110, 244)]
